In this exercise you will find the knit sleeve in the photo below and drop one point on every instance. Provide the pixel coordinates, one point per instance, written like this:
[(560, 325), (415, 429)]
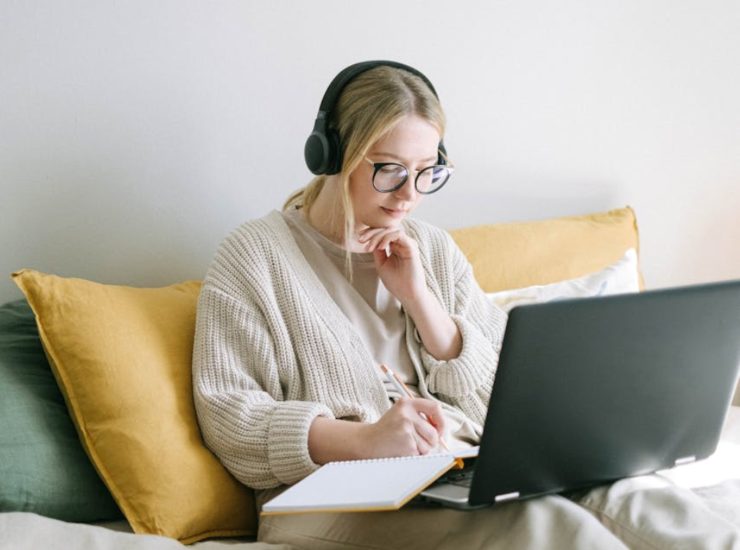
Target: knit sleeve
[(466, 381), (259, 436)]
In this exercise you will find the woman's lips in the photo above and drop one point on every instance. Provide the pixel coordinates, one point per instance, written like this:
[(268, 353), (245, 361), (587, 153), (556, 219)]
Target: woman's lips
[(396, 213)]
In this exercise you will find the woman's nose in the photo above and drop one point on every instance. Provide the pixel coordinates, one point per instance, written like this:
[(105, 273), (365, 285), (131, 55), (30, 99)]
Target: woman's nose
[(408, 190)]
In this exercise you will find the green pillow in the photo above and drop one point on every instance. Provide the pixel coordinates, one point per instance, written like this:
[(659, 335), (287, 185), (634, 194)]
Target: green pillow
[(43, 467)]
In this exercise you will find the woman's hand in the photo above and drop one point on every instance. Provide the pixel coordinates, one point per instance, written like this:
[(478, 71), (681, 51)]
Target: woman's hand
[(403, 275), (400, 269), (403, 431)]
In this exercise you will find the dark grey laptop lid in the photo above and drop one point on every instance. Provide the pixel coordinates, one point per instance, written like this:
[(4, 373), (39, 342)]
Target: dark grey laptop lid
[(592, 390)]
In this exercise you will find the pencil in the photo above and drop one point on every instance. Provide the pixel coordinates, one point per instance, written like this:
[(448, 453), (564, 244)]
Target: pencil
[(403, 390)]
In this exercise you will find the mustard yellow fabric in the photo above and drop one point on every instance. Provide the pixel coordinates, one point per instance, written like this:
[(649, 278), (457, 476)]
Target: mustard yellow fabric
[(122, 358), (520, 254)]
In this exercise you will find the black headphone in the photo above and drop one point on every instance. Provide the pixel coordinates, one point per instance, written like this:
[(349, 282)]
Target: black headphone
[(323, 150)]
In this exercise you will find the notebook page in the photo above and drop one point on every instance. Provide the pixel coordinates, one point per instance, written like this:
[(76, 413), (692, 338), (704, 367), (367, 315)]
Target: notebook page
[(467, 452), (380, 484)]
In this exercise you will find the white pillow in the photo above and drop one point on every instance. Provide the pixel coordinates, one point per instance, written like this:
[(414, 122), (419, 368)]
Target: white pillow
[(619, 278)]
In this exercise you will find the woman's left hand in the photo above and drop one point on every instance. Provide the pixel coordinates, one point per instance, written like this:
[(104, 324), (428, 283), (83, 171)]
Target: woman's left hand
[(400, 270)]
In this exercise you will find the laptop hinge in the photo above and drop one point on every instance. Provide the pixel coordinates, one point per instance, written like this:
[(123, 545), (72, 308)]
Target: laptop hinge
[(506, 496), (684, 460)]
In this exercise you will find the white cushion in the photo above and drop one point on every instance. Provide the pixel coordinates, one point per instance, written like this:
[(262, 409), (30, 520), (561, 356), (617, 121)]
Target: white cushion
[(619, 278)]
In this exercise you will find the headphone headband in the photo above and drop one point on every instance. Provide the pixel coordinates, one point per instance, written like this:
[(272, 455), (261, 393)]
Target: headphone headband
[(331, 96), (323, 150)]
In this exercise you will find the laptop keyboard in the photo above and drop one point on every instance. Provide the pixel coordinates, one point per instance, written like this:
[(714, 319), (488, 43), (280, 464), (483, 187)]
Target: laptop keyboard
[(463, 478)]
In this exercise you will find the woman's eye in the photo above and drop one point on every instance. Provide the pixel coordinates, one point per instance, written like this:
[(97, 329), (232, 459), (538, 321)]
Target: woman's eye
[(392, 170)]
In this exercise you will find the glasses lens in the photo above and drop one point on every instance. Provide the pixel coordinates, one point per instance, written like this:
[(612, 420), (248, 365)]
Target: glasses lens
[(432, 179), (389, 176)]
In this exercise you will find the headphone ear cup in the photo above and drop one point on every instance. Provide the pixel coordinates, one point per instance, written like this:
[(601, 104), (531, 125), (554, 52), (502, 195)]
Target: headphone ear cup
[(334, 153), (316, 152)]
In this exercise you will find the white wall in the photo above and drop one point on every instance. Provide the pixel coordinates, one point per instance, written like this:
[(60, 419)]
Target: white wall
[(135, 135)]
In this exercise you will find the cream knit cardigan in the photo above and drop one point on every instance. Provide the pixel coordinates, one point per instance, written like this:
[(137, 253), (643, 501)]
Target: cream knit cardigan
[(273, 350)]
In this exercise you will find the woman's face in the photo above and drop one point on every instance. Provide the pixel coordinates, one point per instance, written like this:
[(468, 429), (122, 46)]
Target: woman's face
[(413, 142)]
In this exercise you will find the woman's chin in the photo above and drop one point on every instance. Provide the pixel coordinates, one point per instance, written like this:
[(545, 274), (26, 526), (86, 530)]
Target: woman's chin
[(382, 220)]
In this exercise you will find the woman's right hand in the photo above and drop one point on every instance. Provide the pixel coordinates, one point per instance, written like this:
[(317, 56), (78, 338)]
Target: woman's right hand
[(403, 431)]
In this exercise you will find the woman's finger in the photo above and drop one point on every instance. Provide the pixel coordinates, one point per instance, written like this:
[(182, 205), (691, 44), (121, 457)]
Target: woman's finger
[(371, 238), (422, 446), (403, 246), (432, 411), (388, 238), (376, 241), (426, 432), (368, 233)]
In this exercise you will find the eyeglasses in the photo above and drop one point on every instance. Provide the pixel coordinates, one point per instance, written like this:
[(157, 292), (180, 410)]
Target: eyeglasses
[(390, 176)]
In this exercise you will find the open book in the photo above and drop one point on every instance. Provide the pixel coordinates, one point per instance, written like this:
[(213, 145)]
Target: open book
[(365, 485)]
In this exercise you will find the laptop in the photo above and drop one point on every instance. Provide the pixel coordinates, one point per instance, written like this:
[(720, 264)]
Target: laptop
[(591, 390)]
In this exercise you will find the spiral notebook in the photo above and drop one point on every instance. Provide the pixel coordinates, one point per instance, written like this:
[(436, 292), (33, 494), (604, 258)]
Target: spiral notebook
[(364, 485)]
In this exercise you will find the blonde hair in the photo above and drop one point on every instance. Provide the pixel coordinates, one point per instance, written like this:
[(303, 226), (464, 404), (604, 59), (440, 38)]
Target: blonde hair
[(370, 105)]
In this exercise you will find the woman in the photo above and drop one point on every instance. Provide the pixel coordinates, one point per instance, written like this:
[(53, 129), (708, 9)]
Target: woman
[(301, 307), (288, 355)]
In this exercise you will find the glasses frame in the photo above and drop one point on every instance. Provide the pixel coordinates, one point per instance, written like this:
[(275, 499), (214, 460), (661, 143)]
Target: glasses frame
[(377, 166)]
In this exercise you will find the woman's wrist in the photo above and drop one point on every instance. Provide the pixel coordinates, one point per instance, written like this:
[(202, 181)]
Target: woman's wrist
[(331, 439), (439, 333), (418, 303)]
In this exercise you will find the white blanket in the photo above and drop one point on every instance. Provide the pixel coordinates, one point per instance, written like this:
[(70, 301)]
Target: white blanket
[(691, 506)]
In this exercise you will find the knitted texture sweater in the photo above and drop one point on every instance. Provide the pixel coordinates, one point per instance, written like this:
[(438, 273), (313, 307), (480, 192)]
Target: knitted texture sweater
[(273, 350)]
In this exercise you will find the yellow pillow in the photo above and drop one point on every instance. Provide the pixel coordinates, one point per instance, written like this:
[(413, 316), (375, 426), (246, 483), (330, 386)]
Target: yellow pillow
[(520, 254), (122, 358)]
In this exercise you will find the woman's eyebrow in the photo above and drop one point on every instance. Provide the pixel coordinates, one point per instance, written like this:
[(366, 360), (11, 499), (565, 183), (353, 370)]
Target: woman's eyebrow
[(396, 157)]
